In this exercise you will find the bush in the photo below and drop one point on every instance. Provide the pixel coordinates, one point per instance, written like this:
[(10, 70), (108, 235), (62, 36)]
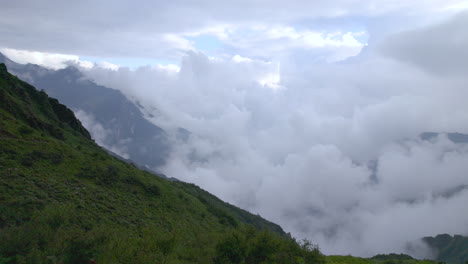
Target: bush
[(55, 158), (231, 250), (79, 251), (86, 172), (5, 260), (152, 189), (246, 245), (27, 161), (24, 130), (112, 174)]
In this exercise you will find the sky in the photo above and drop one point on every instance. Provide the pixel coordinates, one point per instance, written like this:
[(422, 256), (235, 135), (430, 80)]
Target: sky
[(305, 112)]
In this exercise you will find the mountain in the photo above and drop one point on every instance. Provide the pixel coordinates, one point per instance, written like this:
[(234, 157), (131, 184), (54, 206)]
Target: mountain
[(378, 259), (449, 249), (120, 125), (63, 199), (457, 138)]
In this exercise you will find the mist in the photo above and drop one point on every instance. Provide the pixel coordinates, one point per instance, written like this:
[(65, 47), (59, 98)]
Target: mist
[(330, 150), (308, 113)]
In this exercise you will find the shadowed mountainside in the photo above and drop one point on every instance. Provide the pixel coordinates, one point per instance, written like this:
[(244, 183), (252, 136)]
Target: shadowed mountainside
[(449, 249), (124, 129), (63, 199)]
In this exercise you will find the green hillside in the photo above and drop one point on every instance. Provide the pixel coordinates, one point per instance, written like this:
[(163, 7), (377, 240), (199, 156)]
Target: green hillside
[(379, 259), (452, 250), (63, 199)]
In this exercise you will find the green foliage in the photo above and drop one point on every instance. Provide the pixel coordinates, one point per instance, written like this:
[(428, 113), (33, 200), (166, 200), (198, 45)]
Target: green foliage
[(449, 249), (227, 213), (65, 200), (36, 109), (233, 249), (24, 130), (247, 245), (392, 256), (78, 251), (378, 259)]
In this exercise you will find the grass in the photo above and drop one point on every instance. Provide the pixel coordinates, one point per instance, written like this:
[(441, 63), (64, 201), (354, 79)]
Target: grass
[(63, 199)]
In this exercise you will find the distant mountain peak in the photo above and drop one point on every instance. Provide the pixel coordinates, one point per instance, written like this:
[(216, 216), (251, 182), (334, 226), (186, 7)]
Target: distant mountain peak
[(449, 249), (452, 136), (125, 128)]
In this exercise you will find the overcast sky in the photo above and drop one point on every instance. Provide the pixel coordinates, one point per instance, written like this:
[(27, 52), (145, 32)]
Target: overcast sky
[(306, 112)]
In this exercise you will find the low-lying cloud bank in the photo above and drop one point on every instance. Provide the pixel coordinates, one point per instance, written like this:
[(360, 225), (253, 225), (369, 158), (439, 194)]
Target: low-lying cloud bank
[(331, 151), (100, 134)]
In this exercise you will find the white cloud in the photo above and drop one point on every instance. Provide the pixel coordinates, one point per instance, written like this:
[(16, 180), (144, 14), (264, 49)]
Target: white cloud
[(100, 134), (50, 60), (438, 49), (108, 65), (458, 6), (237, 58), (114, 28), (275, 42), (171, 68), (298, 155), (221, 31)]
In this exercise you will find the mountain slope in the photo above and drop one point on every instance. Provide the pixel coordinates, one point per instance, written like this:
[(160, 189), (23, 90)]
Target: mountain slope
[(452, 250), (124, 129), (457, 138), (63, 199), (378, 259)]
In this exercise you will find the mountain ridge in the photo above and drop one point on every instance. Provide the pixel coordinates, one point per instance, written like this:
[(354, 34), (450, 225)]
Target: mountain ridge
[(124, 128), (63, 199), (449, 249), (48, 127)]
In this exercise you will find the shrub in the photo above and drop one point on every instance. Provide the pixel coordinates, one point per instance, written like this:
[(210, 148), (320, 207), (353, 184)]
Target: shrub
[(24, 130), (55, 158), (232, 249), (152, 189), (79, 251), (27, 161), (5, 260), (249, 246)]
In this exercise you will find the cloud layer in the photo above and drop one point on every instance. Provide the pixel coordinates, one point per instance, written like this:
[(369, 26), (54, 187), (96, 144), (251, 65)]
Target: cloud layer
[(328, 150), (100, 135), (161, 29), (279, 118)]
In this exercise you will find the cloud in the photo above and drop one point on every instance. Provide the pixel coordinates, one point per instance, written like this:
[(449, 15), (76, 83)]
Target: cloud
[(159, 28), (53, 61), (107, 65), (50, 60), (275, 42), (439, 49), (100, 134), (275, 124), (299, 155)]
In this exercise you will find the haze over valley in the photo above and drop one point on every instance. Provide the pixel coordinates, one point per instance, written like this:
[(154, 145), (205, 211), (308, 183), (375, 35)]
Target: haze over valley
[(344, 122)]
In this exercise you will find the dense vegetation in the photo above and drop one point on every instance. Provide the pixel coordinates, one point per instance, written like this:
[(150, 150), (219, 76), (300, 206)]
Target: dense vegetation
[(379, 259), (63, 199), (246, 245), (452, 250)]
